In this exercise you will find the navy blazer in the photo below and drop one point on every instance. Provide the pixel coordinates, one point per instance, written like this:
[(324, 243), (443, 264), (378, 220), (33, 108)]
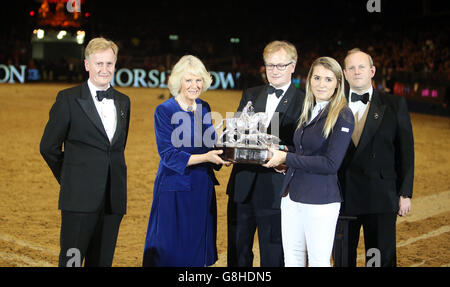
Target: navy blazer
[(314, 164)]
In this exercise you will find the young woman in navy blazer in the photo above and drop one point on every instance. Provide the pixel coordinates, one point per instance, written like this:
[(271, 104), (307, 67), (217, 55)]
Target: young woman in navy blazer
[(311, 197)]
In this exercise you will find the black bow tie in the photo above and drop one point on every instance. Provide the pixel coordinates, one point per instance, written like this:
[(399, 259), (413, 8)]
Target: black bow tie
[(105, 94), (278, 92), (363, 98)]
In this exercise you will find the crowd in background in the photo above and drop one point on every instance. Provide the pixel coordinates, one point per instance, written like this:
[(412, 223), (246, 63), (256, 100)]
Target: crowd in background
[(413, 49)]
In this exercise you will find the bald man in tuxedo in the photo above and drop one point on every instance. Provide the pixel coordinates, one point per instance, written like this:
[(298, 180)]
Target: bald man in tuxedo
[(377, 173)]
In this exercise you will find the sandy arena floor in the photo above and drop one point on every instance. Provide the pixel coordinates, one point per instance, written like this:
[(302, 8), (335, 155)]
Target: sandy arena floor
[(30, 220)]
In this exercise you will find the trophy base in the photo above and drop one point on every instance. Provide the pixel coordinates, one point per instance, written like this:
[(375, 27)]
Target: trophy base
[(251, 155)]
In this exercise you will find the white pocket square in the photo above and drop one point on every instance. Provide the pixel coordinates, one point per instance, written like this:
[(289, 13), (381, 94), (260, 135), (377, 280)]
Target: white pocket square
[(345, 130)]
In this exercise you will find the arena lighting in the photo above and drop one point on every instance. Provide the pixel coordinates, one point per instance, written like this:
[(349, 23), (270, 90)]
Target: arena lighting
[(427, 92), (61, 34), (31, 13), (80, 37), (173, 37), (235, 40), (39, 33)]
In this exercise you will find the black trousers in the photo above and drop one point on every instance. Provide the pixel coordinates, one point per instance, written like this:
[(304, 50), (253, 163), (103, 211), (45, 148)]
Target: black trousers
[(243, 220), (92, 235), (379, 233)]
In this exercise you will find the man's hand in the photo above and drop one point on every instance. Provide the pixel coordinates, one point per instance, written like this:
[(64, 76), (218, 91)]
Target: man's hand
[(404, 205)]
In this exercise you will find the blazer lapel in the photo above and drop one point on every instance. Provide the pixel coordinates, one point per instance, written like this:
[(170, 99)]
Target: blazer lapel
[(373, 121), (285, 102), (321, 115), (87, 104), (261, 100), (120, 112)]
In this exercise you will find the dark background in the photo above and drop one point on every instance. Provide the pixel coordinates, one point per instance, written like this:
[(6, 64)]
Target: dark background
[(408, 40)]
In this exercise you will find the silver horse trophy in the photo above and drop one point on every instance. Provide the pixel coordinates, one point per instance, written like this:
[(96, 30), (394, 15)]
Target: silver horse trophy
[(245, 138)]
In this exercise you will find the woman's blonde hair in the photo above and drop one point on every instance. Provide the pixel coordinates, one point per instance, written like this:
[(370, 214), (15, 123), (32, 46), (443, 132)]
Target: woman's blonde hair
[(188, 65), (100, 44), (337, 101)]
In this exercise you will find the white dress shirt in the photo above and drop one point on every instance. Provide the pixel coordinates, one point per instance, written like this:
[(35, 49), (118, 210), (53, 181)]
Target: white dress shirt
[(360, 111), (106, 110), (273, 101), (359, 108), (317, 109)]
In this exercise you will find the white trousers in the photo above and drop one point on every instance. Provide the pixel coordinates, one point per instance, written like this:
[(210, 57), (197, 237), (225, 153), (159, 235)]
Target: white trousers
[(308, 232)]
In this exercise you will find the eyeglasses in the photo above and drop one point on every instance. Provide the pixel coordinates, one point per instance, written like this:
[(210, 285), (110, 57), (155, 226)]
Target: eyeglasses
[(280, 67)]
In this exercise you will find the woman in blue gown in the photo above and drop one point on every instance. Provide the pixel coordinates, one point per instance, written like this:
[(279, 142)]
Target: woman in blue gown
[(182, 225)]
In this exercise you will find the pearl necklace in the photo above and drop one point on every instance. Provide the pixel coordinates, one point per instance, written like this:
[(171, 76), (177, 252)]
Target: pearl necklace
[(185, 106)]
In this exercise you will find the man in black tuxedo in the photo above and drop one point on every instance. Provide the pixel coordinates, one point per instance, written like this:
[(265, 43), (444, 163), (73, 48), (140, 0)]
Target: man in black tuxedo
[(254, 201), (377, 173), (91, 121)]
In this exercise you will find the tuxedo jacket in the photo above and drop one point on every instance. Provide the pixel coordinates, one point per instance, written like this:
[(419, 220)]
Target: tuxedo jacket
[(89, 162), (381, 168), (314, 163), (248, 178)]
